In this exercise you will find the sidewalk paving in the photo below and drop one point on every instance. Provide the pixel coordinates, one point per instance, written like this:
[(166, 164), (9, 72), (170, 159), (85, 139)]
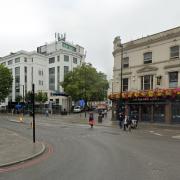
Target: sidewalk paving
[(15, 148)]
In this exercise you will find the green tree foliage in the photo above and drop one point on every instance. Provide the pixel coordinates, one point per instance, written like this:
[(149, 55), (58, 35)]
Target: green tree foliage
[(41, 97), (19, 98), (6, 80), (86, 83), (28, 96)]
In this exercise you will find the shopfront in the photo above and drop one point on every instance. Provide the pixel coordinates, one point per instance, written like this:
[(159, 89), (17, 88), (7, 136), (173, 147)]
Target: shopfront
[(158, 106)]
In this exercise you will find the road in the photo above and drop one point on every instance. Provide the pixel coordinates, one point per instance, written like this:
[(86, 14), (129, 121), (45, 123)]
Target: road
[(101, 153)]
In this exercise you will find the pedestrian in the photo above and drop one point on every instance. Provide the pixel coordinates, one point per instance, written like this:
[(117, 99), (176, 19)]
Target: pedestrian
[(12, 111), (105, 113), (121, 117), (129, 123), (47, 113), (91, 119), (125, 124)]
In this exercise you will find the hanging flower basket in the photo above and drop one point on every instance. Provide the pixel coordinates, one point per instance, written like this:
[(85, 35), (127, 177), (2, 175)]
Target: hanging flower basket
[(150, 93), (136, 94), (130, 94), (168, 92)]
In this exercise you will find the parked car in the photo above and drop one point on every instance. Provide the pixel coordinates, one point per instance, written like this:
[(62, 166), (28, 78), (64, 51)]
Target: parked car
[(77, 109)]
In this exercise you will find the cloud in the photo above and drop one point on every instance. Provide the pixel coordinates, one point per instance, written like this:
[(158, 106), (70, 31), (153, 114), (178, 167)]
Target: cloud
[(91, 23)]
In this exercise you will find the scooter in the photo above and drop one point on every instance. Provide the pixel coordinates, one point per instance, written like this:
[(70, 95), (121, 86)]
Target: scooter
[(134, 122)]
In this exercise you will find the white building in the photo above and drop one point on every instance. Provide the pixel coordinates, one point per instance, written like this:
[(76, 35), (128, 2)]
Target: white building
[(45, 68)]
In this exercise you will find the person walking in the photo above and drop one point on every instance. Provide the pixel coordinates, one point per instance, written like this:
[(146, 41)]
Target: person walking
[(47, 113), (125, 124), (121, 117), (91, 119)]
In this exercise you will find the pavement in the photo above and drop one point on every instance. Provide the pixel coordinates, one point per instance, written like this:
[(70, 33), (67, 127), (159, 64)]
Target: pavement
[(16, 148)]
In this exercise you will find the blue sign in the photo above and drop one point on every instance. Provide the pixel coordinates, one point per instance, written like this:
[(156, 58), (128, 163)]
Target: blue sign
[(18, 106), (82, 102)]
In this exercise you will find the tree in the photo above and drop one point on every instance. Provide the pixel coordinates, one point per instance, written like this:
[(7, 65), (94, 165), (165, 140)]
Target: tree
[(28, 96), (41, 97), (6, 80), (85, 83), (18, 98)]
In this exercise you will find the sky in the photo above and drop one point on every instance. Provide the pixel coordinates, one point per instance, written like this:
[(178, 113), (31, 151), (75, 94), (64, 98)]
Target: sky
[(93, 24)]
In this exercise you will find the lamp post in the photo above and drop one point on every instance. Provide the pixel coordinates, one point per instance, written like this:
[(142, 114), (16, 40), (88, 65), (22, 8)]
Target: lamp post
[(120, 99)]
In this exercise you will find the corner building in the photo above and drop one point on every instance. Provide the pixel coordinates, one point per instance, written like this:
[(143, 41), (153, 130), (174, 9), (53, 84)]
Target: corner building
[(46, 68), (150, 76)]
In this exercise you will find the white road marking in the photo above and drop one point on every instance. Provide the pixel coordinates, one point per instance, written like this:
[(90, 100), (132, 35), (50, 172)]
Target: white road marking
[(157, 134), (176, 137)]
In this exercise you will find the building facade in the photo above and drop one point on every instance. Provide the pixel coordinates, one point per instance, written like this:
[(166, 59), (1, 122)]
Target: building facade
[(45, 67), (150, 76)]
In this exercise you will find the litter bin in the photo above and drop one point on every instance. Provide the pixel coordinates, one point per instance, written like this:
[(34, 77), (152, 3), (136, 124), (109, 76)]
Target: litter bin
[(100, 119)]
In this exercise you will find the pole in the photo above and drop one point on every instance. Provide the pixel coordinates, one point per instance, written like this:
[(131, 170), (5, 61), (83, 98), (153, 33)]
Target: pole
[(121, 76), (112, 118), (23, 93), (33, 99), (85, 93), (23, 100)]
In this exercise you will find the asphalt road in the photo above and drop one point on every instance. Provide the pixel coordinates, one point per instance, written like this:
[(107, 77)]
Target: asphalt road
[(101, 153)]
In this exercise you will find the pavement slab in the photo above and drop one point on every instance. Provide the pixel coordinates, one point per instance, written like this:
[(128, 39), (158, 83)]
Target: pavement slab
[(16, 148)]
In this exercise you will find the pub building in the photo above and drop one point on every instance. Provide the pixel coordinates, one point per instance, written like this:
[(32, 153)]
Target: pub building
[(149, 71)]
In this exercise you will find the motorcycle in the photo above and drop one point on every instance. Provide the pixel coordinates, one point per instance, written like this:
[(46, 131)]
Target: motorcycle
[(134, 122)]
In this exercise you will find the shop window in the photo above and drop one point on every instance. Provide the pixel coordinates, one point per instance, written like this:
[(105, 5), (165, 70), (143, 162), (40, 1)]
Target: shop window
[(147, 82), (174, 52), (173, 79)]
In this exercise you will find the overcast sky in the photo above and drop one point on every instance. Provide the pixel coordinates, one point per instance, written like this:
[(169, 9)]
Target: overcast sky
[(93, 24)]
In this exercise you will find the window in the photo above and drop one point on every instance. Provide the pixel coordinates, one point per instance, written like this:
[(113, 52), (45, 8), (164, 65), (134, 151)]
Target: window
[(25, 59), (3, 63), (51, 60), (58, 77), (66, 70), (32, 59), (174, 52), (173, 79), (66, 58), (74, 60), (147, 57), (52, 78), (125, 84), (10, 62), (125, 62), (147, 82), (58, 58), (17, 81), (40, 82), (17, 60)]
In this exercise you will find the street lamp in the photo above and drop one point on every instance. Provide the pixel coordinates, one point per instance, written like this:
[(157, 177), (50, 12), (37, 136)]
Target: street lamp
[(120, 103)]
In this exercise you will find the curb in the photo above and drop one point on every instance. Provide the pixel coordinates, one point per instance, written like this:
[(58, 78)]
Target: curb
[(25, 159)]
